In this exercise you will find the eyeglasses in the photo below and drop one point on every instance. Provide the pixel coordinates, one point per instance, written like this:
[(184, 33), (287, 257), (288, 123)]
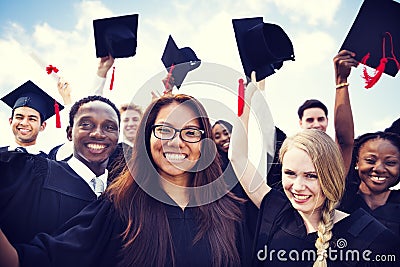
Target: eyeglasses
[(189, 134)]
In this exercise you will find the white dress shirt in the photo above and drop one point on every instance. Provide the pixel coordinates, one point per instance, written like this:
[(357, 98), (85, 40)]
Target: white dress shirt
[(83, 171), (32, 149)]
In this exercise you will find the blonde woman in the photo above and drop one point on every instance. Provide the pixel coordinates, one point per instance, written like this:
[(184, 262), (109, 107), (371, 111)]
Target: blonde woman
[(301, 226)]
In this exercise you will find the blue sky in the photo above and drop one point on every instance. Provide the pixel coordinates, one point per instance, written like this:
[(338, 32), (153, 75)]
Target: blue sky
[(61, 33)]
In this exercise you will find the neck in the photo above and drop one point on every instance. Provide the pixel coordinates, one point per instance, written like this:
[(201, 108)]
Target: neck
[(19, 143), (177, 190), (373, 199), (311, 221), (98, 168), (128, 142)]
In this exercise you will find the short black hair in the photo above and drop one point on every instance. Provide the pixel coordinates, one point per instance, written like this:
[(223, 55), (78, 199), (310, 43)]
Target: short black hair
[(75, 107), (311, 103)]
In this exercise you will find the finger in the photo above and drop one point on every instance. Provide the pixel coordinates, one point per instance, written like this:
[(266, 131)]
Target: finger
[(253, 77)]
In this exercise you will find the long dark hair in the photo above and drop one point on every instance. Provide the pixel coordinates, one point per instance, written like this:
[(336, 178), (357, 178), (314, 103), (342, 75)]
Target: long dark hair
[(147, 237)]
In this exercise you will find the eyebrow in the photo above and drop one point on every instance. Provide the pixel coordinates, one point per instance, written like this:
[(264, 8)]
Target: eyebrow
[(186, 126), (91, 118), (30, 116)]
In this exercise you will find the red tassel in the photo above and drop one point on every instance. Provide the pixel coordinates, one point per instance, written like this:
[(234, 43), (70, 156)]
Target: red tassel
[(57, 111), (51, 68), (240, 97), (112, 79), (372, 80)]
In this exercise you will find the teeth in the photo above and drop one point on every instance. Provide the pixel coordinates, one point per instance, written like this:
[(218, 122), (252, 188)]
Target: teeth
[(174, 157), (226, 144), (96, 146), (300, 197), (377, 178)]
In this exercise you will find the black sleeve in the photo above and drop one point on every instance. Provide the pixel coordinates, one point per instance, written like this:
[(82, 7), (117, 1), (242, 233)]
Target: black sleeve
[(91, 238), (272, 206)]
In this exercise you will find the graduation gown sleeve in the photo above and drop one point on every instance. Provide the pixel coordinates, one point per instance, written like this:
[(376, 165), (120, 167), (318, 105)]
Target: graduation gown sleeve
[(91, 238), (38, 195)]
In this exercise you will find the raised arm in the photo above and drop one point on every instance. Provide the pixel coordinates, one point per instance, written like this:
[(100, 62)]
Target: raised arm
[(104, 66), (251, 178), (8, 254), (343, 115)]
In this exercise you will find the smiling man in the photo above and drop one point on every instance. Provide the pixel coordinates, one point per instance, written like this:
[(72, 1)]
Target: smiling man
[(313, 114), (38, 194), (31, 107)]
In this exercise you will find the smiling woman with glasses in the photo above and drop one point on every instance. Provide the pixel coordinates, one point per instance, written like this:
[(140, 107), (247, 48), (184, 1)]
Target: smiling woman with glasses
[(169, 208)]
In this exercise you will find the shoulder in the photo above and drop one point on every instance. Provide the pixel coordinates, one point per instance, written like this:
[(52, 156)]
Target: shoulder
[(363, 230), (394, 196)]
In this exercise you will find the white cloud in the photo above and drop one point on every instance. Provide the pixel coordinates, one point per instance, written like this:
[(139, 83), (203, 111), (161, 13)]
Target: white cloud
[(313, 12), (209, 32)]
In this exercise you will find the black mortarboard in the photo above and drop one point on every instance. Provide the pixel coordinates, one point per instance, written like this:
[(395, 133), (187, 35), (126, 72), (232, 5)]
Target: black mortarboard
[(116, 36), (183, 60), (30, 95), (369, 34), (262, 46)]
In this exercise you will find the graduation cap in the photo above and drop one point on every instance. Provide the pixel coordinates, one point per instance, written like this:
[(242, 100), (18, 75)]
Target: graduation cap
[(262, 46), (32, 96), (179, 61), (116, 36), (375, 38)]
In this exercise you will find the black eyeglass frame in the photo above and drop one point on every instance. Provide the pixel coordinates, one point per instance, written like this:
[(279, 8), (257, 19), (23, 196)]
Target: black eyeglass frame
[(153, 129)]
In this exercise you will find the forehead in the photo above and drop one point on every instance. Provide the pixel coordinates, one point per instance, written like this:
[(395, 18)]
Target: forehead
[(298, 160), (179, 114), (97, 109), (219, 128), (313, 112), (27, 111), (379, 145), (130, 113)]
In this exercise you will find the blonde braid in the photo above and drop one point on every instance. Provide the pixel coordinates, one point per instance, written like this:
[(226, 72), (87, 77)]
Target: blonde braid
[(324, 234)]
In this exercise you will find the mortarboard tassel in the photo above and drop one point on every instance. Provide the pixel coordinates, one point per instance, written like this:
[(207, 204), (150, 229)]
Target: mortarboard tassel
[(51, 68), (372, 80), (240, 97), (112, 79), (57, 111)]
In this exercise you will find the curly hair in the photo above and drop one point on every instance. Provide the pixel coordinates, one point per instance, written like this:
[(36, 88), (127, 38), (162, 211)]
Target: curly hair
[(75, 107)]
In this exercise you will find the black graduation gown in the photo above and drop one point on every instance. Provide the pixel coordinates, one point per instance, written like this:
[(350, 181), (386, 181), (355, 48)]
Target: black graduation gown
[(388, 214), (281, 231), (38, 195), (274, 176), (93, 238), (249, 210), (5, 149)]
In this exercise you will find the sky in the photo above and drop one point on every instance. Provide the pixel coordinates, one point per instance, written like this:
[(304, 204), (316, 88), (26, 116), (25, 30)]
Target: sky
[(61, 34)]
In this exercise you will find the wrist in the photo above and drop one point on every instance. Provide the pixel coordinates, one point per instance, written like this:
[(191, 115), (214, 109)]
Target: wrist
[(101, 74), (342, 85)]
